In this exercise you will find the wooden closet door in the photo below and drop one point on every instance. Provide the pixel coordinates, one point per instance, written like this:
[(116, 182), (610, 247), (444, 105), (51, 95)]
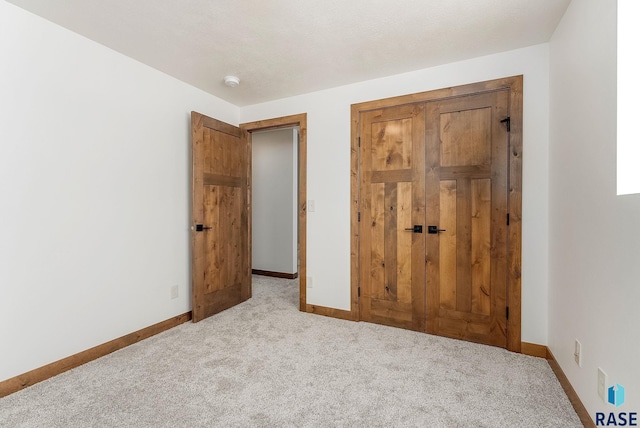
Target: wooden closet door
[(466, 187), (392, 201)]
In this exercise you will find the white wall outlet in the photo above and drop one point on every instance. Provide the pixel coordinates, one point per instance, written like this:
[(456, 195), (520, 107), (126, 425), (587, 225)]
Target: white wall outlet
[(309, 282), (174, 291), (602, 384), (311, 206), (577, 355)]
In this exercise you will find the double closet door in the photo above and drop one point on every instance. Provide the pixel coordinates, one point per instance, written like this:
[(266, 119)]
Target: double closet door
[(433, 230)]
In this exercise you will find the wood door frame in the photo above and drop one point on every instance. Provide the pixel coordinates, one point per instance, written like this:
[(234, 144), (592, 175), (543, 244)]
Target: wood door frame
[(299, 120), (514, 240)]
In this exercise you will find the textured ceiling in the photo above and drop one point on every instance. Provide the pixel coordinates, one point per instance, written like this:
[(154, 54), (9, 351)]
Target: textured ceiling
[(281, 48)]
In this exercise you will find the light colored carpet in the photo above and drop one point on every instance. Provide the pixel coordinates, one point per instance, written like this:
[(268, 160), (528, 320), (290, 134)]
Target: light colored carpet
[(265, 364)]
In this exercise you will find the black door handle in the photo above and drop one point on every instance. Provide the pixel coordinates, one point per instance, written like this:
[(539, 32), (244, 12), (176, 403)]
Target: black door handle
[(433, 230), (201, 227), (415, 229)]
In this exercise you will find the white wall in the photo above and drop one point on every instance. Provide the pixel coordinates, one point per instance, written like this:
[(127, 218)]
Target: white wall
[(328, 176), (94, 185), (594, 234), (274, 201), (94, 178), (94, 170)]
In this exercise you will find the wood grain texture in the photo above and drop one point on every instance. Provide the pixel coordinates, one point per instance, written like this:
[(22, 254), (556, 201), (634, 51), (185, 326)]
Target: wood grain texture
[(214, 273), (499, 229), (221, 180), (32, 377), (404, 242), (448, 244), (463, 245), (221, 299), (514, 250), (370, 202), (201, 160), (513, 86), (247, 222), (466, 326), (418, 249), (391, 145), (274, 274), (391, 199), (376, 263), (433, 216), (299, 120), (463, 145), (396, 176), (392, 313), (465, 171), (220, 255), (391, 241), (355, 214), (477, 283), (534, 350), (481, 246), (514, 82), (211, 123), (330, 312)]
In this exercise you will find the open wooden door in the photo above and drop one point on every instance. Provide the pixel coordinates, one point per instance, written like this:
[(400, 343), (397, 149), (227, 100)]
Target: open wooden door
[(220, 250)]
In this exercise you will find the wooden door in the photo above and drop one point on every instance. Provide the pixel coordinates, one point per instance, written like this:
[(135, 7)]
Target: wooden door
[(466, 181), (392, 201), (220, 251)]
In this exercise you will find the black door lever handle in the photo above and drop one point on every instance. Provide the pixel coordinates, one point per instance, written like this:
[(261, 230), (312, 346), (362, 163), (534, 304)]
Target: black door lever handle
[(415, 229), (433, 230), (201, 227)]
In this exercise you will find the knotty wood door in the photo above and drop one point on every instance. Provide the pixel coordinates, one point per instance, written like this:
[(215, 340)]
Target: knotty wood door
[(466, 184), (392, 200), (220, 251), (465, 281)]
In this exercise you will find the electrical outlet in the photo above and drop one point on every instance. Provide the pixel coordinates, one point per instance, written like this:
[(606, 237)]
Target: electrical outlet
[(577, 355), (602, 383), (174, 292), (309, 282)]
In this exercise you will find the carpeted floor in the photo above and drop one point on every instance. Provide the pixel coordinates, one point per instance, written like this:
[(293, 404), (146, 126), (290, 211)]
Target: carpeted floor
[(264, 364)]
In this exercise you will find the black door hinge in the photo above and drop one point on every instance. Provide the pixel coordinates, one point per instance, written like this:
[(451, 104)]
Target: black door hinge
[(358, 216), (358, 291), (508, 219), (507, 312), (358, 141), (507, 121)]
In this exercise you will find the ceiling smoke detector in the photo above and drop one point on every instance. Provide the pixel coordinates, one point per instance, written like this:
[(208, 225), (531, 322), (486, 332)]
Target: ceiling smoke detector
[(231, 81)]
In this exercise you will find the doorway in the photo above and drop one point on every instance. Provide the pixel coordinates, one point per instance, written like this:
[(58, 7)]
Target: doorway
[(221, 211), (299, 122), (274, 203)]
